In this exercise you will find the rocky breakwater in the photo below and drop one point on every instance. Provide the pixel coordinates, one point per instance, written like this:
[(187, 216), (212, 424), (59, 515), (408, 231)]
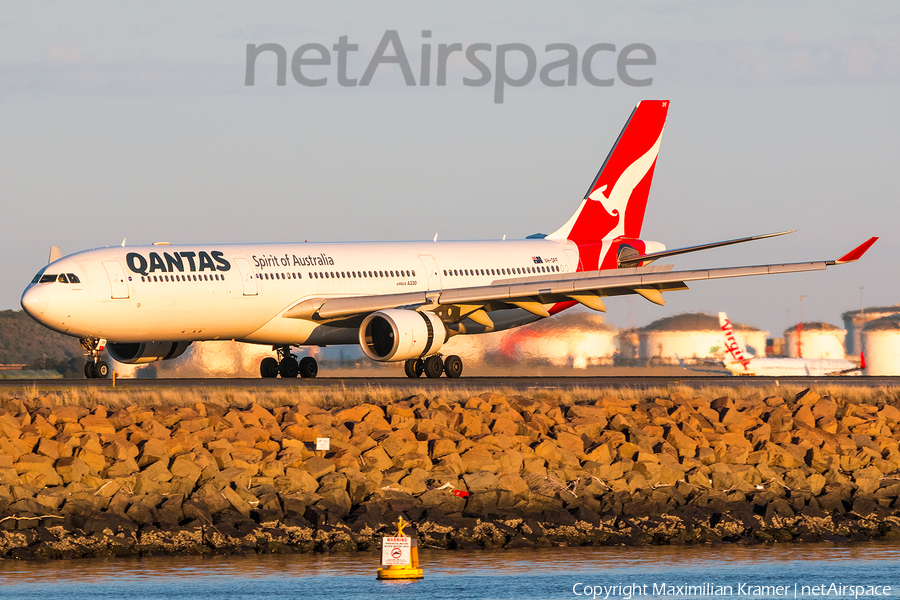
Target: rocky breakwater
[(490, 472)]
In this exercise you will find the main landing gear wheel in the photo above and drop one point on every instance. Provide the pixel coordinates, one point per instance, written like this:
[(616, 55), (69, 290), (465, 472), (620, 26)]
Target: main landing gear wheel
[(309, 368), (414, 368), (286, 365), (453, 366), (289, 367), (268, 368), (434, 366)]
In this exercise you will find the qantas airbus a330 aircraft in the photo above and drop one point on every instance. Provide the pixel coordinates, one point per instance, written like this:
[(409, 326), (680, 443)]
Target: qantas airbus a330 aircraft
[(399, 301)]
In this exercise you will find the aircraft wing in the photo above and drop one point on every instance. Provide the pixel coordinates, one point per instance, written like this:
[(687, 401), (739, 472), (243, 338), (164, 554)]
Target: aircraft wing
[(535, 293)]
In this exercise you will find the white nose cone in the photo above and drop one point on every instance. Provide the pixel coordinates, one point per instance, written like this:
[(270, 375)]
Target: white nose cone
[(35, 301)]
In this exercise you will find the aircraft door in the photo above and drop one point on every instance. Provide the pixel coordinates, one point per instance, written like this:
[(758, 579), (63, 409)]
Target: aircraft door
[(248, 277), (118, 284), (432, 275)]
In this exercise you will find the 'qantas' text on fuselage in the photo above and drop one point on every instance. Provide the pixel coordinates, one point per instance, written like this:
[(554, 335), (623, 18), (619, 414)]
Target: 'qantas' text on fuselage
[(169, 263)]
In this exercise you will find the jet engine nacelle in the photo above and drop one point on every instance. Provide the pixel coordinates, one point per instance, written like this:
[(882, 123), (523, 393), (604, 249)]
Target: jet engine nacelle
[(399, 334), (145, 352)]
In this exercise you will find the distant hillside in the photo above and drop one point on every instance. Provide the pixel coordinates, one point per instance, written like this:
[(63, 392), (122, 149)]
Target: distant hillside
[(24, 341)]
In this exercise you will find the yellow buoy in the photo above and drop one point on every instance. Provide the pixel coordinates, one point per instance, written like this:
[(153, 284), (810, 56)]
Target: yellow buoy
[(399, 557)]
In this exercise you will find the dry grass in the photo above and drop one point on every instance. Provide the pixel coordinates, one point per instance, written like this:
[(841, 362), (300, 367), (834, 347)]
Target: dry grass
[(852, 395), (330, 397), (240, 397), (114, 398)]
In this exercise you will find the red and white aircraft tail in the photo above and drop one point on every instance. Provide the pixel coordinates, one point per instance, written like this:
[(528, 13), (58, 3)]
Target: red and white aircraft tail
[(732, 348), (614, 205)]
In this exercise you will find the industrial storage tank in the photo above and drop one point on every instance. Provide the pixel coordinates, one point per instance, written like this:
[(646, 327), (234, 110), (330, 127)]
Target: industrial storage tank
[(881, 346), (815, 340), (855, 320), (578, 339), (695, 335), (575, 338)]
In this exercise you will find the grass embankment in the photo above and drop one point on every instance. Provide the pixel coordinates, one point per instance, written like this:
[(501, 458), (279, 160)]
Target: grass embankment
[(88, 471)]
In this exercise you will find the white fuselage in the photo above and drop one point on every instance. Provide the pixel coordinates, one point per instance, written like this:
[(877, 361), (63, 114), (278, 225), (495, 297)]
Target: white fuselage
[(239, 292), (791, 367)]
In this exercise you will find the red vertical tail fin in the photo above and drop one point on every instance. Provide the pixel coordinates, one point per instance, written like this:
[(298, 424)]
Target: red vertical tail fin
[(615, 202)]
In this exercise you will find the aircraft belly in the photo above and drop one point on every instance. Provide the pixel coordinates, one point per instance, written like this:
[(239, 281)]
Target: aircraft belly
[(327, 335), (286, 331), (184, 320)]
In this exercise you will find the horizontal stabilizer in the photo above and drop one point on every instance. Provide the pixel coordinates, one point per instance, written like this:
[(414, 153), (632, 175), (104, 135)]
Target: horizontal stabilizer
[(632, 261)]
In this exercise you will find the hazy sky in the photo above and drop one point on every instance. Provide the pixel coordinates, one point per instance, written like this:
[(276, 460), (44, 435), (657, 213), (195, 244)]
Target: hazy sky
[(125, 120)]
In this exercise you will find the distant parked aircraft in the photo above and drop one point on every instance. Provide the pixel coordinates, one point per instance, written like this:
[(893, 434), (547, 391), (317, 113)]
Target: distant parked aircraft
[(784, 367)]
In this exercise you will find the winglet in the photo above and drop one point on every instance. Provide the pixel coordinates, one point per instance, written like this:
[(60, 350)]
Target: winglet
[(857, 252)]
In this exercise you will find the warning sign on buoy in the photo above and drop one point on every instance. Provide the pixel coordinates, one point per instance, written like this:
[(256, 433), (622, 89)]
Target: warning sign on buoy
[(399, 556), (395, 551)]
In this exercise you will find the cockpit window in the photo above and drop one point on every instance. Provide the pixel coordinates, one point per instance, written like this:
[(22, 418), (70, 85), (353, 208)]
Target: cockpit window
[(38, 276), (73, 278), (48, 278), (62, 278)]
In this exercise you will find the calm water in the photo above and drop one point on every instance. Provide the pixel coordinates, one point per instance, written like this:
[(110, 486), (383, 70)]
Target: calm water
[(547, 573)]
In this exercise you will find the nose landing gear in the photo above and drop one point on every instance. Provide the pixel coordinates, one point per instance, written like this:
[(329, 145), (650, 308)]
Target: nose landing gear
[(94, 368), (287, 365)]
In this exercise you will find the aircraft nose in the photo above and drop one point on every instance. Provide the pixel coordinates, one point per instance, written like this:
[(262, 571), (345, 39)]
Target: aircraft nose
[(35, 301)]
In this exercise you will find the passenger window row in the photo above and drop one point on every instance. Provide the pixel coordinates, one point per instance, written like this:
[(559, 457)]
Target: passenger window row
[(494, 272), (338, 274), (279, 276), (190, 277)]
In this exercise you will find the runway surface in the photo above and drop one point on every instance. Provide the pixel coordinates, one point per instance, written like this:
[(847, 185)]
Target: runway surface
[(472, 383)]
